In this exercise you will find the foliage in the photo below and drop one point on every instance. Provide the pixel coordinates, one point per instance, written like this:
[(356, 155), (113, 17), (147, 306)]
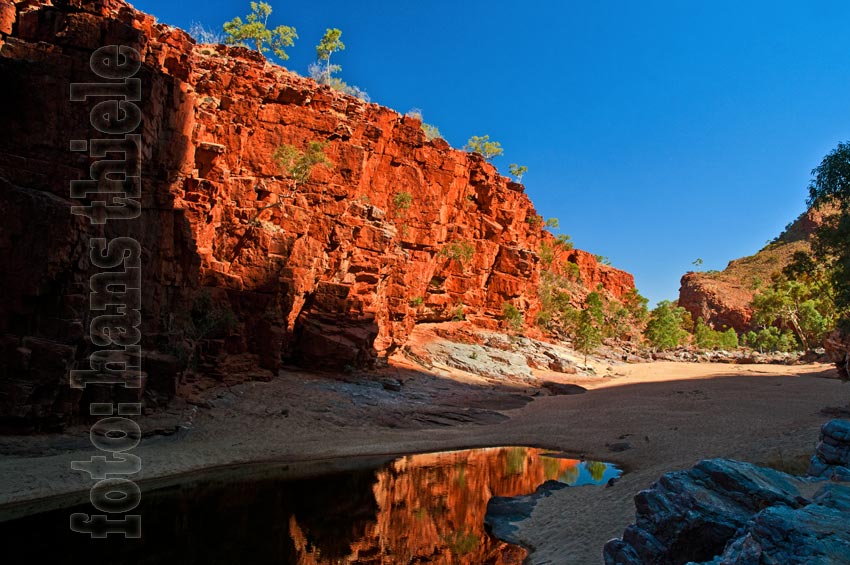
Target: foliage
[(460, 251), (517, 171), (482, 145), (664, 328), (402, 201), (602, 260), (463, 542), (416, 301), (431, 132), (317, 73), (534, 220), (587, 333), (458, 315), (697, 263), (205, 35), (573, 271), (564, 241), (625, 319), (805, 307), (831, 186), (297, 164), (596, 469), (770, 339), (553, 223), (707, 338), (555, 302), (547, 254), (512, 315), (255, 30), (831, 182), (329, 44), (636, 304)]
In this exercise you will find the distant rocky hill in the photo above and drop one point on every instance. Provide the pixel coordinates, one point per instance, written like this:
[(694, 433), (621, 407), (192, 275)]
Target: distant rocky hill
[(238, 270), (722, 298)]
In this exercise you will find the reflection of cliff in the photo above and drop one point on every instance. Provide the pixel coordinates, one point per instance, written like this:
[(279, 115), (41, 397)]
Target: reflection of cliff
[(418, 509), (432, 506)]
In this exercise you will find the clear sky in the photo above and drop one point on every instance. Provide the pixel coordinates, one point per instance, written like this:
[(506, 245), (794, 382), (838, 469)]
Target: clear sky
[(656, 131)]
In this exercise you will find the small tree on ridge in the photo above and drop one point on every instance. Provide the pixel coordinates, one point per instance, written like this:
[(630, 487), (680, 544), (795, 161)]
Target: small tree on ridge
[(255, 30)]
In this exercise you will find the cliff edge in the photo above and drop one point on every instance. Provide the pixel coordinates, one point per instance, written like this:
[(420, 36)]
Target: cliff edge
[(238, 270)]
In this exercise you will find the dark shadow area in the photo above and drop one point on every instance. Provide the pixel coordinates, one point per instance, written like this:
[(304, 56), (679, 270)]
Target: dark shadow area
[(427, 507)]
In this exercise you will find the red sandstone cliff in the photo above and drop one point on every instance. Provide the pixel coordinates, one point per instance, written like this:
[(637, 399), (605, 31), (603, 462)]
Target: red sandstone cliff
[(338, 275), (723, 298)]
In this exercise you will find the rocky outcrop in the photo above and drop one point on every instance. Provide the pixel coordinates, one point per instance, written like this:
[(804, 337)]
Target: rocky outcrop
[(729, 512), (832, 458), (235, 259), (722, 298), (837, 346), (721, 303)]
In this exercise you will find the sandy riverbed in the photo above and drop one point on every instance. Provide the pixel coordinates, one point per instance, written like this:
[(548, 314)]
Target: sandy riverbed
[(670, 414)]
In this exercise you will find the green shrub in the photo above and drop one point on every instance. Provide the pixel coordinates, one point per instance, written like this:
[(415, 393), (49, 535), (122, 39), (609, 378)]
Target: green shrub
[(573, 271), (547, 254), (512, 315), (254, 30), (431, 132), (458, 315), (297, 164), (460, 251), (771, 339), (664, 329), (707, 338), (482, 145), (517, 171), (564, 241), (402, 201)]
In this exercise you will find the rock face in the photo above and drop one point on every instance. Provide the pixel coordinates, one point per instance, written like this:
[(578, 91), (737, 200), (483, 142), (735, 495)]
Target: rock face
[(832, 458), (235, 259), (729, 512), (723, 298), (837, 347)]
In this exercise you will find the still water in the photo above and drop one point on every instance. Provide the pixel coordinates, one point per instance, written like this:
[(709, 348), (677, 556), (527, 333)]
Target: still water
[(426, 508)]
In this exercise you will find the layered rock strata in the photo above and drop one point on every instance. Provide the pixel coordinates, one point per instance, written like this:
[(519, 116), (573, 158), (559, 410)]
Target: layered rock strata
[(236, 259)]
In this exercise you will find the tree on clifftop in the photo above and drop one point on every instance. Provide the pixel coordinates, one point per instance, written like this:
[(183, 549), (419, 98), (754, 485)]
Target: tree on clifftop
[(254, 30), (327, 46), (481, 144)]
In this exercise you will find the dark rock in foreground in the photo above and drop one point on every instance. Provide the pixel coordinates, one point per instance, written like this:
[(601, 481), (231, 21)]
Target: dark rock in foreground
[(724, 512), (832, 458)]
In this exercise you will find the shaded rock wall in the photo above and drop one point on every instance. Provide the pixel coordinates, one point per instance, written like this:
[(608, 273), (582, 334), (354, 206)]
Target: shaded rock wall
[(234, 259)]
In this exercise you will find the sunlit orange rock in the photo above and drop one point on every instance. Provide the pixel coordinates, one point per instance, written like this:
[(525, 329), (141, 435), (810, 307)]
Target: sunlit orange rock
[(332, 274)]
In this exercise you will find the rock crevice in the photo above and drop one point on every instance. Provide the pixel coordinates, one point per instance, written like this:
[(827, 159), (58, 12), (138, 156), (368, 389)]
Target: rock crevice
[(333, 274)]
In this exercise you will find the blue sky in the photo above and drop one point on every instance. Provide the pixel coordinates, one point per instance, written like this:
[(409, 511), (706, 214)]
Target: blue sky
[(656, 131)]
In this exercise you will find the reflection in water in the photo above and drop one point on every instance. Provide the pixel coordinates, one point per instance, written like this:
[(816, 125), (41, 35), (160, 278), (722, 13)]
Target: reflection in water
[(425, 508)]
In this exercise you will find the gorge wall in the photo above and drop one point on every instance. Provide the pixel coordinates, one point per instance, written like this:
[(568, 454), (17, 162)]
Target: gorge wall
[(722, 298), (236, 266)]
